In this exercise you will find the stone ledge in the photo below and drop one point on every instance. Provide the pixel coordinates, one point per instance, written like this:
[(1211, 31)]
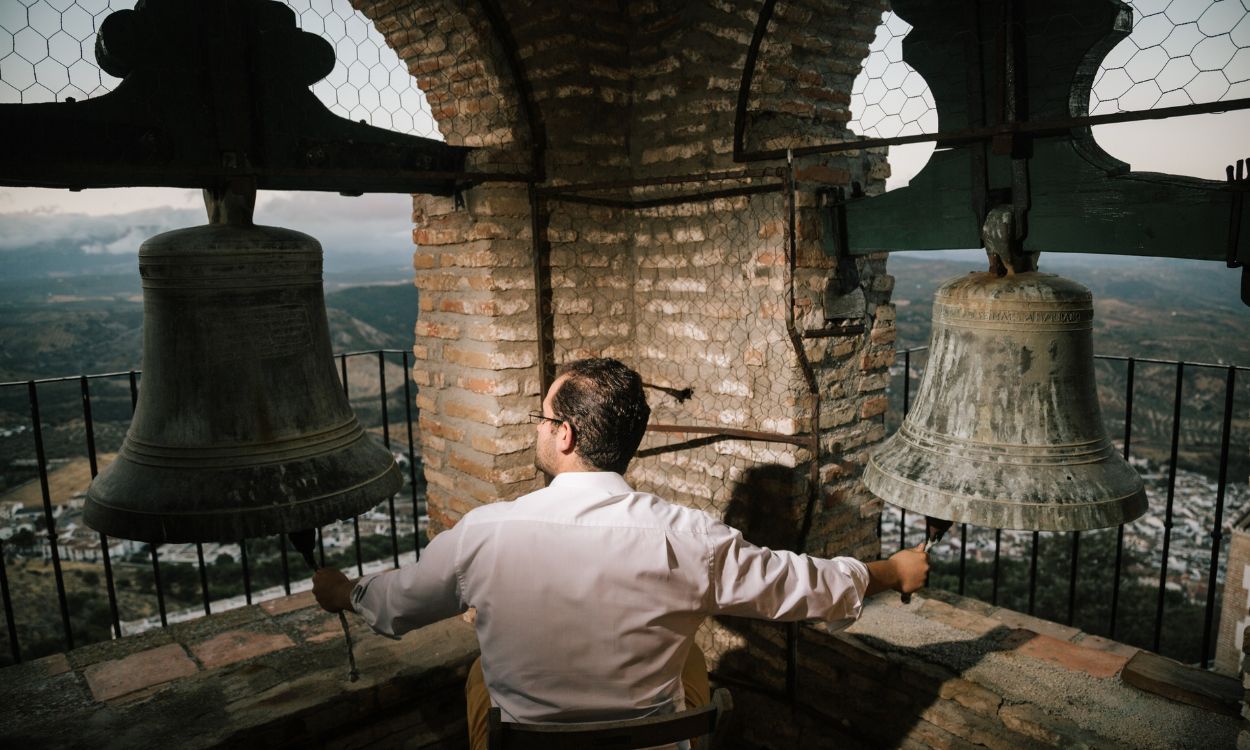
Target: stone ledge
[(1092, 654), (1055, 690), (272, 674), (1183, 683)]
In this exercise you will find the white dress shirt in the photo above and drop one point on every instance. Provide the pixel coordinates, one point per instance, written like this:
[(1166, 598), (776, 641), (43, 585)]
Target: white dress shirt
[(588, 595)]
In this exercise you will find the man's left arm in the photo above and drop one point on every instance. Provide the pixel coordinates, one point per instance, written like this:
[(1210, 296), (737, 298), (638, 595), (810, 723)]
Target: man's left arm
[(755, 581), (396, 601)]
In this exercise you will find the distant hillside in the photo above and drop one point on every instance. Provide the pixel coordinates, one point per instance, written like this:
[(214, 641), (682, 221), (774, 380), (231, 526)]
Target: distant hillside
[(1143, 307)]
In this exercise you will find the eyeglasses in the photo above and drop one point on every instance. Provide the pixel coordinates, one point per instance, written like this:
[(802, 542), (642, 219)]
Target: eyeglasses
[(537, 416)]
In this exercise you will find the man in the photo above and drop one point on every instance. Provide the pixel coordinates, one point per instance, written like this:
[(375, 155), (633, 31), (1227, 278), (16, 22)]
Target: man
[(588, 593)]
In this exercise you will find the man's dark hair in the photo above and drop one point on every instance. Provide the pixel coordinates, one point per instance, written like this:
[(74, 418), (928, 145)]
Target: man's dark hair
[(604, 401)]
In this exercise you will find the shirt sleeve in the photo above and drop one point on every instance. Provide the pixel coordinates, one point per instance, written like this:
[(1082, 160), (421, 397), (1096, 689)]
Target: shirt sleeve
[(396, 601), (751, 581)]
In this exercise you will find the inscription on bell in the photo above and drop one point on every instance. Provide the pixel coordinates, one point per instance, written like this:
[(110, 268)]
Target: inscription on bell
[(946, 312), (271, 331)]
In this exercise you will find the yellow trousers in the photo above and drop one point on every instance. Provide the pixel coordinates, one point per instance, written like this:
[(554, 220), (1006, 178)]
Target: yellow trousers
[(477, 699)]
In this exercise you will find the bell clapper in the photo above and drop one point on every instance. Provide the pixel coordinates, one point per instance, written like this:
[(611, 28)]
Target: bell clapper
[(935, 529), (303, 542)]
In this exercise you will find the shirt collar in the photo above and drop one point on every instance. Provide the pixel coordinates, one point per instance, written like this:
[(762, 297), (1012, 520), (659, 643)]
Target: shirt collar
[(605, 481)]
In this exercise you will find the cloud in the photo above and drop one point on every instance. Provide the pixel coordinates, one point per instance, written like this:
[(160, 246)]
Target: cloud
[(377, 226), (94, 234), (127, 243)]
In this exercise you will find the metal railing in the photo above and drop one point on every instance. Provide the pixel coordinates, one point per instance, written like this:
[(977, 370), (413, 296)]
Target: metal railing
[(54, 544), (1109, 627)]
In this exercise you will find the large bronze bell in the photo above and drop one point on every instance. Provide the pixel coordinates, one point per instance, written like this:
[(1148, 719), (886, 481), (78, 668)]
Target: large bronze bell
[(1006, 430), (242, 428)]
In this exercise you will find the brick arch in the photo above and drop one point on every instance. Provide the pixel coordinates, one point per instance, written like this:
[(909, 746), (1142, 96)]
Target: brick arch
[(797, 77), (464, 60)]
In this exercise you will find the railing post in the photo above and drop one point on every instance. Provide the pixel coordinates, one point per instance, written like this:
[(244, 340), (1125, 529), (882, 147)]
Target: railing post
[(1217, 532), (8, 609), (42, 461), (1119, 534), (386, 440), (1167, 520), (247, 576), (1033, 573), (156, 583), (89, 428), (412, 465), (199, 554)]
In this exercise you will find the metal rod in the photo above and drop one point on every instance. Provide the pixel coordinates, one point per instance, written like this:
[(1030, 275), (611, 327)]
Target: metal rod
[(89, 429), (247, 576), (902, 515), (834, 332), (1057, 126), (386, 440), (731, 432), (555, 191), (156, 583), (1167, 519), (42, 460), (963, 556), (343, 375), (360, 563), (1119, 535), (748, 73), (1033, 573), (1217, 532), (800, 353), (302, 541), (386, 421), (544, 314), (9, 621), (1076, 553), (672, 200), (199, 554), (502, 33), (412, 470), (998, 543), (286, 565)]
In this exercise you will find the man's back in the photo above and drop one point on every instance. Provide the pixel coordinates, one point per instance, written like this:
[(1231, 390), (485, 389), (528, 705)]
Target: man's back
[(588, 595)]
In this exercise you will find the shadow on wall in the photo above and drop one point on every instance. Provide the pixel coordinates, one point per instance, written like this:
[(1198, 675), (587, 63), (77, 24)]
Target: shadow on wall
[(847, 696)]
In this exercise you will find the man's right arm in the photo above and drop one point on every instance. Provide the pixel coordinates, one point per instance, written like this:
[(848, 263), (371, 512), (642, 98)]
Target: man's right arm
[(904, 572)]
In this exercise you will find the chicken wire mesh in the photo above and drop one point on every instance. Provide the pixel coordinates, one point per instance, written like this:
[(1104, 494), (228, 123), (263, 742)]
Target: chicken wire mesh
[(47, 54), (1179, 52)]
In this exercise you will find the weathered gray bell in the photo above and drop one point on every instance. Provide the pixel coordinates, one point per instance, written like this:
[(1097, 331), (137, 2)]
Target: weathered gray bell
[(242, 428), (1006, 430)]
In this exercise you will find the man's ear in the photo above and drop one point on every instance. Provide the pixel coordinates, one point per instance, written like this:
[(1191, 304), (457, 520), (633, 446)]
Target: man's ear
[(565, 438)]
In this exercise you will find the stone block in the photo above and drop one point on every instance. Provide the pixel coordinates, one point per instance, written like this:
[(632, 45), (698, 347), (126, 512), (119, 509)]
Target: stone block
[(971, 696), (1066, 654), (285, 604), (112, 679), (1183, 683), (1014, 619), (238, 645)]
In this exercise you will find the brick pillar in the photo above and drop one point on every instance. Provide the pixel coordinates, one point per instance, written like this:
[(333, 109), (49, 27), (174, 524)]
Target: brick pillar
[(475, 355), (476, 358)]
